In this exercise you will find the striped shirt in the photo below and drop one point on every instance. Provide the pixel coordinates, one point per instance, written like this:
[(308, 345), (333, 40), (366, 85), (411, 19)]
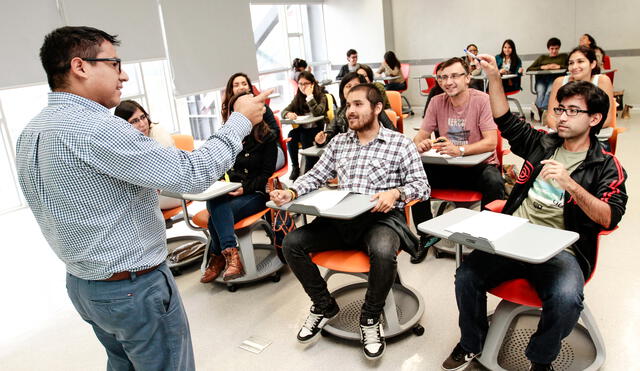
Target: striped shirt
[(389, 161), (90, 179)]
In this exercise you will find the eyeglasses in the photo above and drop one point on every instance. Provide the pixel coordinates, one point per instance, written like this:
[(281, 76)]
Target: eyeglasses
[(453, 76), (118, 61), (305, 83), (569, 111), (139, 119)]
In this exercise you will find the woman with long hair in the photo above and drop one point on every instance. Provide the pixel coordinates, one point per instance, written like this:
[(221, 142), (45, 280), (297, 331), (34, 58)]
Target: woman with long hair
[(588, 41), (509, 64), (390, 66), (253, 167), (310, 99), (583, 66)]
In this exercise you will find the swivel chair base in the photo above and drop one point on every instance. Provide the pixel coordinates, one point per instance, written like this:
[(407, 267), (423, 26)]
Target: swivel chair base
[(511, 327)]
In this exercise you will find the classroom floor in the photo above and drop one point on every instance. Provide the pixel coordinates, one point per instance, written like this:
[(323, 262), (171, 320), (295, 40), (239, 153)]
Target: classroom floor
[(39, 328)]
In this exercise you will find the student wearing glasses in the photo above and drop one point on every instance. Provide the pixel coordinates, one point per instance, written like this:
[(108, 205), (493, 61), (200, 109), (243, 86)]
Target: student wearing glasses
[(474, 68), (310, 99), (462, 123), (351, 66)]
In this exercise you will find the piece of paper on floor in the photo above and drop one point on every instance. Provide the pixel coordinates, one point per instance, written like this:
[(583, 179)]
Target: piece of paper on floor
[(255, 344)]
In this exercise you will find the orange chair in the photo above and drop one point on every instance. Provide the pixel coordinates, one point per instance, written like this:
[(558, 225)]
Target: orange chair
[(404, 68), (391, 114), (256, 91), (403, 307), (514, 100), (171, 216), (520, 297), (606, 64), (395, 100)]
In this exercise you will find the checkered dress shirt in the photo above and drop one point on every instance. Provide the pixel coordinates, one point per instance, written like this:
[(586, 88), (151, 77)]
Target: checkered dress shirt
[(90, 179), (389, 161)]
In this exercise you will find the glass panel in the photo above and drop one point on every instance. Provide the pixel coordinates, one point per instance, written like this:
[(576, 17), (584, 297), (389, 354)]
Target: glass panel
[(10, 196), (296, 47), (159, 96), (20, 105), (294, 21), (270, 37), (133, 87)]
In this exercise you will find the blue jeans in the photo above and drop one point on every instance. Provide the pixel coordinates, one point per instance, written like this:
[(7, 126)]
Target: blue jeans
[(227, 210), (543, 90), (559, 283), (141, 322), (378, 240)]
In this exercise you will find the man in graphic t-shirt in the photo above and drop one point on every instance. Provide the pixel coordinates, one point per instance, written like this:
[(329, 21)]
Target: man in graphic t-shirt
[(463, 125)]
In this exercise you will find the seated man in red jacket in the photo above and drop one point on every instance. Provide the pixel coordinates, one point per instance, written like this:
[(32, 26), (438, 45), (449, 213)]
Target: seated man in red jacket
[(568, 181)]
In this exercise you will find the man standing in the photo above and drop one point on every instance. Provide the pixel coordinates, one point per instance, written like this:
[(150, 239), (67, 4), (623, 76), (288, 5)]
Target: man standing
[(567, 182), (90, 179), (352, 58), (368, 159), (461, 119), (552, 61)]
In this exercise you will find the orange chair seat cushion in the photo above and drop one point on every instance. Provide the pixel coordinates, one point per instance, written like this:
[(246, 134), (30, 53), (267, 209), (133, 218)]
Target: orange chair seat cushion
[(456, 195), (170, 213), (518, 291), (352, 261), (513, 92), (201, 219)]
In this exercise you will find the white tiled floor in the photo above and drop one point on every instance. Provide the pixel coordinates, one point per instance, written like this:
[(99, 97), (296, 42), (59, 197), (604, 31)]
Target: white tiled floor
[(39, 329)]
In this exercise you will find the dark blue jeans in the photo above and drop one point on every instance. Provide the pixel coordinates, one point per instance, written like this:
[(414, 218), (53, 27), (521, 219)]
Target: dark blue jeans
[(141, 322), (396, 86), (543, 90), (559, 283), (304, 136), (227, 210), (378, 240)]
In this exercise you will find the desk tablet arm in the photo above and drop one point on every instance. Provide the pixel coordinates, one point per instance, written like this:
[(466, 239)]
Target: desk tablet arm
[(304, 209), (468, 240), (287, 122)]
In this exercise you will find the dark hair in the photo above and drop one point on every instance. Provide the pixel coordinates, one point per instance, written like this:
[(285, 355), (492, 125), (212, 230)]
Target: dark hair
[(299, 102), (65, 43), (259, 130), (597, 100), (470, 45), (554, 41), (368, 70), (350, 52), (345, 80), (373, 94), (590, 54), (515, 60), (440, 66), (299, 63), (592, 41), (228, 93), (127, 108), (451, 62), (391, 59)]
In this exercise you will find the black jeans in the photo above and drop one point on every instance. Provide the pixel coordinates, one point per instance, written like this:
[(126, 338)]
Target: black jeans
[(559, 283), (378, 240), (305, 137), (483, 177)]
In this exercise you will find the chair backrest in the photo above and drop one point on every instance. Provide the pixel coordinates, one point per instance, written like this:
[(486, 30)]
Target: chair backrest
[(391, 114), (431, 81), (613, 140), (256, 91), (404, 69), (395, 100), (183, 142), (283, 145), (499, 150), (606, 64)]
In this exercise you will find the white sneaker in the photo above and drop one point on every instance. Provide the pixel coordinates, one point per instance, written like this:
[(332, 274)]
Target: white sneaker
[(372, 338)]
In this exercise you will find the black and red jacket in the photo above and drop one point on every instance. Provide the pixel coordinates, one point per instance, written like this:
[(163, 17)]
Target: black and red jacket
[(600, 174)]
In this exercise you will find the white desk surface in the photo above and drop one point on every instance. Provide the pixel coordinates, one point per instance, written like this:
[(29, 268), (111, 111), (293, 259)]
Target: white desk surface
[(529, 243), (561, 71), (350, 207), (464, 161), (313, 151), (217, 189), (307, 120), (605, 133), (389, 78), (485, 77)]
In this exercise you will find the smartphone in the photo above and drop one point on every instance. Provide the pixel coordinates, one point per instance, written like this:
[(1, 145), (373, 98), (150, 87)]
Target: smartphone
[(472, 55), (441, 140)]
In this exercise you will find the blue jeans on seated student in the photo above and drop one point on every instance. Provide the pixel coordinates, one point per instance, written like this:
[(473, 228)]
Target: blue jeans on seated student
[(543, 90), (559, 283), (141, 321), (378, 240), (227, 210), (396, 86)]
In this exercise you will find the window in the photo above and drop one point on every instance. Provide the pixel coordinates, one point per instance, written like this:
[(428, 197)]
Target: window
[(10, 197)]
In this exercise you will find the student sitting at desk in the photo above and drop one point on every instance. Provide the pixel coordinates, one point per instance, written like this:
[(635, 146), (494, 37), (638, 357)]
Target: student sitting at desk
[(340, 123), (352, 58), (253, 167), (390, 67), (366, 72), (510, 64), (372, 160), (552, 61), (464, 126), (309, 100), (568, 182)]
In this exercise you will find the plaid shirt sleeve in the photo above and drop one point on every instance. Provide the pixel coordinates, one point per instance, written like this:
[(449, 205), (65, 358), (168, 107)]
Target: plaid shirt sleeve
[(416, 185), (322, 171)]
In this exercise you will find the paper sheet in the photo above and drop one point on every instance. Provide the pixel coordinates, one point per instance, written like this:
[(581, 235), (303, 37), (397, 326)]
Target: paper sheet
[(302, 118), (432, 153), (216, 186), (488, 225), (325, 199)]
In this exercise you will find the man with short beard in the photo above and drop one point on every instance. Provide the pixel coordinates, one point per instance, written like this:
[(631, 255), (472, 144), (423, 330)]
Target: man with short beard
[(367, 159), (461, 119)]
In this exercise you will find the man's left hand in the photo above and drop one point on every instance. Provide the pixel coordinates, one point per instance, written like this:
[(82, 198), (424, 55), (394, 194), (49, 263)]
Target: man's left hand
[(447, 148), (237, 192), (386, 200), (555, 171)]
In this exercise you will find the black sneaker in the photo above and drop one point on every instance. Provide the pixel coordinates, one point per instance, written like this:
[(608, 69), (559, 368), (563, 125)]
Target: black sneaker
[(372, 338), (316, 321), (459, 359), (426, 241), (295, 173), (541, 367)]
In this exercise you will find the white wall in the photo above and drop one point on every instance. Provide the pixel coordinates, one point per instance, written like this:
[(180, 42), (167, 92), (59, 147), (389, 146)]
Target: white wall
[(430, 30)]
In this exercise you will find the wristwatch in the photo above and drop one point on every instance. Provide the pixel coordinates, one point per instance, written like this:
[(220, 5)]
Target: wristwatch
[(403, 196), (461, 149)]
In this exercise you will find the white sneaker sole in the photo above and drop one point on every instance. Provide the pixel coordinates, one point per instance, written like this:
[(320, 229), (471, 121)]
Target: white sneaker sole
[(324, 321)]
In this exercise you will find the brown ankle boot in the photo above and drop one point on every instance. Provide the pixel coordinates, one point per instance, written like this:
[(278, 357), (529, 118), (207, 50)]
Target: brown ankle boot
[(234, 265), (214, 268)]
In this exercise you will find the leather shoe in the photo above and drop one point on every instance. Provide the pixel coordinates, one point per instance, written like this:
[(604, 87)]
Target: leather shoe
[(234, 264), (215, 267)]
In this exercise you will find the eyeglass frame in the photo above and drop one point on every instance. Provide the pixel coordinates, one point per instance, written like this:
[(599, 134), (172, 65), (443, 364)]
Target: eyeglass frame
[(144, 116), (566, 110), (453, 76), (117, 60)]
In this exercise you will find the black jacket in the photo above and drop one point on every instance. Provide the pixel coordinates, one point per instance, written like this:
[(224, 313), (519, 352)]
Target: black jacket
[(255, 163), (600, 174)]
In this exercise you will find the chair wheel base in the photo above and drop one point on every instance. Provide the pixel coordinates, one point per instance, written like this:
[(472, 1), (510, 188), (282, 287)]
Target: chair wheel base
[(232, 288), (418, 330)]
